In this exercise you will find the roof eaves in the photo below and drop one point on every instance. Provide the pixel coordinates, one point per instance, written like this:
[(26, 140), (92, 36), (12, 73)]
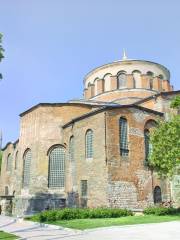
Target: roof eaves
[(57, 105), (108, 108), (157, 95)]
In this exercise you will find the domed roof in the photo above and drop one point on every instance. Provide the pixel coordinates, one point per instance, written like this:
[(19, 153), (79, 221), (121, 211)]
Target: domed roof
[(128, 66), (127, 79)]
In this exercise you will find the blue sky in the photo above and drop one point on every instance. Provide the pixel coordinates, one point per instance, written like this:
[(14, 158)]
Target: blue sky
[(51, 44)]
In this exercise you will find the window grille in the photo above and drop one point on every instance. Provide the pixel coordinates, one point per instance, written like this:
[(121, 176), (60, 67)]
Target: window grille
[(89, 144), (57, 167), (27, 168), (9, 163), (147, 144), (83, 188), (71, 149), (123, 137), (121, 80)]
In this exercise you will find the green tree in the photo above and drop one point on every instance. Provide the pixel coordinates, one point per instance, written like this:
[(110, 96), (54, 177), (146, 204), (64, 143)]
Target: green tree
[(1, 52), (165, 141), (176, 102)]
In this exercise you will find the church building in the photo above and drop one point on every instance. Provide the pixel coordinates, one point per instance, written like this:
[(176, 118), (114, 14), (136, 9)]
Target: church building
[(91, 152)]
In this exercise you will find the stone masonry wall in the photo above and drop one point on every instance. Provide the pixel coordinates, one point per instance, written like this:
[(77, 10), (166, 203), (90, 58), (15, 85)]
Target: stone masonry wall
[(93, 170), (131, 183)]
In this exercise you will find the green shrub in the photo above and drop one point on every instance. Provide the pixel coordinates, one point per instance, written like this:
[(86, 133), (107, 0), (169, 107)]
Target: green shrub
[(77, 213), (159, 211)]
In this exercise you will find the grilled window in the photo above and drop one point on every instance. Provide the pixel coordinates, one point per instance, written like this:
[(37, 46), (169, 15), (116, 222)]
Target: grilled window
[(89, 144), (123, 137), (83, 188), (9, 163), (71, 149), (146, 143), (57, 167), (27, 168)]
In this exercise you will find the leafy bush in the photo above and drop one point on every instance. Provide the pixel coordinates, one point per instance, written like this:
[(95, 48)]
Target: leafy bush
[(77, 213), (159, 211)]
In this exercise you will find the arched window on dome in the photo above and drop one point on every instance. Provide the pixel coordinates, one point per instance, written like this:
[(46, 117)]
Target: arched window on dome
[(123, 136), (95, 86), (160, 82), (89, 143), (136, 79), (121, 80), (150, 75), (27, 168), (107, 82), (56, 176)]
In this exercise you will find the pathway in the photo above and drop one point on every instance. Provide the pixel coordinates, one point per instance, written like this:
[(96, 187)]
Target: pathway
[(34, 231)]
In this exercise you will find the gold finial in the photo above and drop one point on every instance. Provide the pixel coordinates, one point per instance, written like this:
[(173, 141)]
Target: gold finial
[(124, 55)]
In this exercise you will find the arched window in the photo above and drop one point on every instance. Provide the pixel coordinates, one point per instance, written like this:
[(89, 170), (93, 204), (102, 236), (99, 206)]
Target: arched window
[(71, 149), (16, 160), (150, 75), (147, 144), (157, 195), (107, 82), (27, 168), (56, 177), (9, 163), (123, 135), (136, 79), (89, 144), (122, 80)]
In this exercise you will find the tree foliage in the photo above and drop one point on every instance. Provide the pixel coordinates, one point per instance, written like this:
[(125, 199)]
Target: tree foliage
[(175, 102), (1, 52), (165, 140)]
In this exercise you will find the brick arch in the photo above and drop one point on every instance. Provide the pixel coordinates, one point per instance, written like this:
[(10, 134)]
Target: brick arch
[(55, 146), (150, 123)]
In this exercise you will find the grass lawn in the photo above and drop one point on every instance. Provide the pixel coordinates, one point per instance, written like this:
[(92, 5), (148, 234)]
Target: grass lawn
[(105, 222), (7, 236)]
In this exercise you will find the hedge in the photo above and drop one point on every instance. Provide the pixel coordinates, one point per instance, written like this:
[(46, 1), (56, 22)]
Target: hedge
[(159, 211), (77, 213)]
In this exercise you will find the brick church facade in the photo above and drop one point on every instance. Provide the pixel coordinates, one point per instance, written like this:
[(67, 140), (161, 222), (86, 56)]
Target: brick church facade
[(91, 152)]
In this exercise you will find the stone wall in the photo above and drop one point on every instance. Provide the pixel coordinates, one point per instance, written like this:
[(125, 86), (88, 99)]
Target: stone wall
[(128, 177), (93, 170)]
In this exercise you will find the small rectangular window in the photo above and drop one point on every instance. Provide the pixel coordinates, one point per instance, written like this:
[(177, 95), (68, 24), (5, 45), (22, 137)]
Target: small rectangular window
[(84, 188)]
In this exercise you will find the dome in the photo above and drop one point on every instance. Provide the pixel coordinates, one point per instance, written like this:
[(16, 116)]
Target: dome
[(126, 78)]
